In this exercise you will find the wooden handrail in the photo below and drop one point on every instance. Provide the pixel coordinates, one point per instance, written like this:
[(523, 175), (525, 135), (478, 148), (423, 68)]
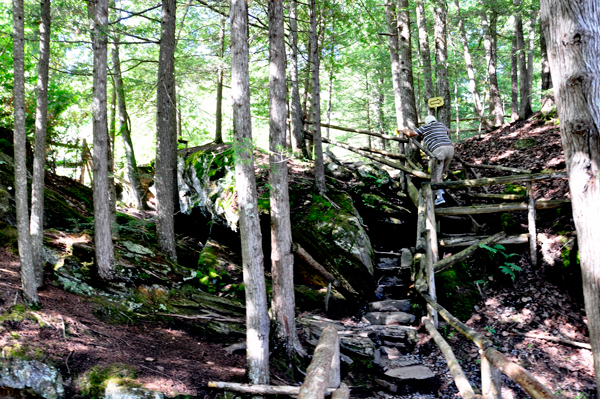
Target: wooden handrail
[(515, 372), (320, 373), (498, 180), (506, 207)]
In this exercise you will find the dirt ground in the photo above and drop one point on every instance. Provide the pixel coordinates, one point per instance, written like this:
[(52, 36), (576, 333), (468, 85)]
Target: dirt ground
[(173, 360)]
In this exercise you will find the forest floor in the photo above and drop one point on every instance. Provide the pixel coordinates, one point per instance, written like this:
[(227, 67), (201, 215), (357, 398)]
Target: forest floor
[(176, 361)]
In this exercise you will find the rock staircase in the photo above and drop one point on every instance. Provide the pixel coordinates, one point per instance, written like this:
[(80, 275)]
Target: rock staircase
[(386, 335)]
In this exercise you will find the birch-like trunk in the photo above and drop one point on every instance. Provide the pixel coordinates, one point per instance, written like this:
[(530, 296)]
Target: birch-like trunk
[(479, 110), (220, 73), (409, 109), (514, 79), (125, 131), (98, 15), (440, 15), (257, 319), (489, 43), (572, 29), (282, 258), (39, 161), (166, 133), (316, 102), (425, 54), (298, 145), (28, 275), (392, 35), (524, 92)]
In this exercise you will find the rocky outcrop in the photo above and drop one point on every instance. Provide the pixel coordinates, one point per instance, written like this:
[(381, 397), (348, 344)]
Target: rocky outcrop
[(31, 376)]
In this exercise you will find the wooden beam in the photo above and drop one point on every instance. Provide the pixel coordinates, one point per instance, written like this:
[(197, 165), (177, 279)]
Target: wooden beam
[(445, 263), (451, 242), (499, 180), (531, 225), (318, 374), (494, 167), (367, 132), (305, 256), (504, 197), (260, 389), (506, 207)]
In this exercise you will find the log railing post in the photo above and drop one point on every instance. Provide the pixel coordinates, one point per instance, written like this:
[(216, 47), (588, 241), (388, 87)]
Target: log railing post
[(431, 244), (430, 276), (491, 379), (531, 224), (324, 369)]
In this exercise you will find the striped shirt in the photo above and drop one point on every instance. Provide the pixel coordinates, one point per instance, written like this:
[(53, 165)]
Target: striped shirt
[(435, 134)]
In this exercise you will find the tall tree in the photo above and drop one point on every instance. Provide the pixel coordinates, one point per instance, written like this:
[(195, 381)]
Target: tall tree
[(166, 133), (524, 91), (298, 146), (425, 53), (28, 278), (220, 73), (572, 30), (514, 79), (546, 77), (257, 319), (39, 161), (530, 51), (440, 15), (489, 43), (316, 102), (125, 130), (470, 70), (98, 16), (409, 109), (282, 258), (392, 35)]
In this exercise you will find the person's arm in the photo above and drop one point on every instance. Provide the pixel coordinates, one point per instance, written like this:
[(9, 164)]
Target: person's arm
[(409, 133)]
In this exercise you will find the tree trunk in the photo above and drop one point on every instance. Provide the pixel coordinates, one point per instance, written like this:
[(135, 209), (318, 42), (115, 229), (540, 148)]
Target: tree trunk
[(282, 258), (98, 15), (125, 131), (425, 54), (220, 73), (28, 274), (392, 34), (166, 133), (39, 162), (298, 146), (441, 59), (257, 319), (379, 108), (546, 77), (489, 42), (316, 102), (409, 109), (330, 93), (573, 52), (525, 94), (530, 50), (470, 70), (514, 79)]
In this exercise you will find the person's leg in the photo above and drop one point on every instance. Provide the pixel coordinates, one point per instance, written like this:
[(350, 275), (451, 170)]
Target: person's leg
[(437, 166), (448, 155)]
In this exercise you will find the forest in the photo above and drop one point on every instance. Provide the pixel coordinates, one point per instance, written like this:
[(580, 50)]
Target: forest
[(217, 172)]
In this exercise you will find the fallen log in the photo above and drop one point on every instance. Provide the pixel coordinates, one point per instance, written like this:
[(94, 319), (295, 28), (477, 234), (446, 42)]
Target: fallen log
[(261, 389), (367, 132), (445, 263), (413, 192), (498, 180), (506, 207), (554, 339), (343, 392), (460, 379), (495, 167), (394, 165), (464, 241), (320, 371), (301, 252), (504, 197)]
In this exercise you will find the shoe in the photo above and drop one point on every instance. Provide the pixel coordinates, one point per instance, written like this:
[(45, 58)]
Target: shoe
[(439, 200)]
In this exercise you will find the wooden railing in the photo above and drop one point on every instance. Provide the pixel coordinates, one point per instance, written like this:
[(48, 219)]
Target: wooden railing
[(492, 361)]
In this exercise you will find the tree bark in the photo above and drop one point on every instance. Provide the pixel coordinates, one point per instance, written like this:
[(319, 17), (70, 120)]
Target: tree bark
[(316, 102), (298, 146), (573, 49), (28, 274), (546, 77), (282, 258), (441, 59), (39, 161), (524, 92), (166, 133), (220, 73), (530, 50), (425, 54), (392, 34), (470, 70), (257, 319), (98, 15), (514, 79), (125, 131), (409, 109), (489, 43), (379, 109)]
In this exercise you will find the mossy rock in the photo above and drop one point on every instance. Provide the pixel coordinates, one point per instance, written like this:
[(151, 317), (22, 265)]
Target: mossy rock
[(523, 144), (456, 290), (95, 381)]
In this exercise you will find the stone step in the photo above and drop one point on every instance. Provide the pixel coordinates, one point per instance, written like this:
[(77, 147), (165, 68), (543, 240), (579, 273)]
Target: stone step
[(391, 305), (387, 318), (387, 292), (409, 379)]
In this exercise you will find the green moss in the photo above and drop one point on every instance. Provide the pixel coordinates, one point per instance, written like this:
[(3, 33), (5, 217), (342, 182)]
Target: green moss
[(8, 236), (523, 144), (456, 290), (93, 382)]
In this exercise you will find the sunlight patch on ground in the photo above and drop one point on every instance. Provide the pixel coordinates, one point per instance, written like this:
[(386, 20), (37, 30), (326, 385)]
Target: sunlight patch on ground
[(504, 155)]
